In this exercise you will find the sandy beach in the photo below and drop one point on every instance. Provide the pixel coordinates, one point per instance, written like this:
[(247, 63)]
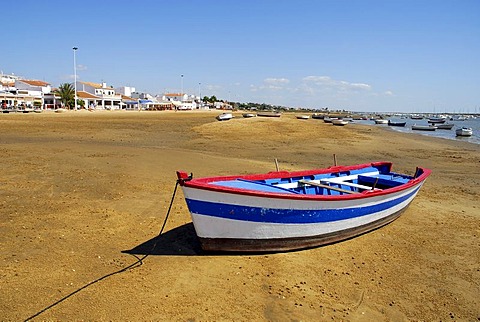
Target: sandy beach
[(84, 195)]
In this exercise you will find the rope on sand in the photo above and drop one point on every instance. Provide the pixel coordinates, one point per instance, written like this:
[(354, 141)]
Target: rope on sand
[(136, 264)]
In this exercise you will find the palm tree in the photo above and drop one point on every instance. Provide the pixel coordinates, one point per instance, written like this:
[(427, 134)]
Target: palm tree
[(66, 91)]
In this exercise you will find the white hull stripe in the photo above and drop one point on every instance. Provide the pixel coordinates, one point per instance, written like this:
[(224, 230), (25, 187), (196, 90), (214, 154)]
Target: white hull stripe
[(291, 216)]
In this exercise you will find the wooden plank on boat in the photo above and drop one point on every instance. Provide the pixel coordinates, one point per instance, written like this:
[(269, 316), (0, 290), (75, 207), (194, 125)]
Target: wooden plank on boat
[(350, 184), (312, 183)]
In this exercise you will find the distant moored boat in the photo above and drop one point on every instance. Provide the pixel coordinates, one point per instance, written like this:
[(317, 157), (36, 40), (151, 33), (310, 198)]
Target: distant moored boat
[(269, 114), (224, 116), (464, 131), (444, 126), (416, 117), (328, 119), (339, 122), (424, 127), (437, 120), (395, 123), (303, 117)]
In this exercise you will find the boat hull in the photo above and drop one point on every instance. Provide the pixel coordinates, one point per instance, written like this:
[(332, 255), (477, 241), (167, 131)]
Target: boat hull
[(339, 122), (269, 114), (303, 117), (224, 117), (464, 132), (267, 222), (423, 128), (292, 243), (400, 124), (444, 126), (437, 120)]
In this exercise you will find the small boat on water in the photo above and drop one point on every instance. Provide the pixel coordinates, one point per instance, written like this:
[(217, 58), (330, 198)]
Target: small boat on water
[(280, 211), (269, 114), (416, 127), (444, 126), (381, 121), (464, 131), (435, 120), (416, 117), (224, 116), (396, 123), (339, 122)]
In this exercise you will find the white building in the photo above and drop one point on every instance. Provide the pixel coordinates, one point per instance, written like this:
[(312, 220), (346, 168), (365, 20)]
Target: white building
[(22, 92), (7, 82), (35, 87), (125, 90), (7, 90), (98, 96), (222, 106), (184, 102), (174, 97)]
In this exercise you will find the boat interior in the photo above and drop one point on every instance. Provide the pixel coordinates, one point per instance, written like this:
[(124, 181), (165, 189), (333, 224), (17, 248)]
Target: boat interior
[(335, 183)]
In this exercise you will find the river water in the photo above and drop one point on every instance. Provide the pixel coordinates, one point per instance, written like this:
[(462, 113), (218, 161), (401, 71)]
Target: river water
[(446, 134)]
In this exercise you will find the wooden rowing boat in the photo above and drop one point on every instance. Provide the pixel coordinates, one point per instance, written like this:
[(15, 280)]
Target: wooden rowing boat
[(280, 211)]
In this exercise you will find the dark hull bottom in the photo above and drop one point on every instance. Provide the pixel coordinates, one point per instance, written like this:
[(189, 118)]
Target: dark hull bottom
[(287, 244)]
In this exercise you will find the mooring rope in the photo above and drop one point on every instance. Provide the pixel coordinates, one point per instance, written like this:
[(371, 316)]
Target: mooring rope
[(138, 263)]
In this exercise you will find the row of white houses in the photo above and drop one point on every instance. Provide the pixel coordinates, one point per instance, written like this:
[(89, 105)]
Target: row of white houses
[(17, 93)]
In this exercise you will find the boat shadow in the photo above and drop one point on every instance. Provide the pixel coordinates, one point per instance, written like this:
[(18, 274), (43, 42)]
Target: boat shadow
[(183, 241), (180, 241)]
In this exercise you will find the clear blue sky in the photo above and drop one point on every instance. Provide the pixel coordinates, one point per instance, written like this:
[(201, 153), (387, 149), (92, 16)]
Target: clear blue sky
[(408, 55)]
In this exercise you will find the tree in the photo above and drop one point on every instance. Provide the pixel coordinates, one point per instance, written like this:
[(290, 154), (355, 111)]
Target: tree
[(66, 91), (81, 103)]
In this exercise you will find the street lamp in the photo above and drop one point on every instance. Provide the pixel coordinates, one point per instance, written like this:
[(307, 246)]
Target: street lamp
[(199, 95), (75, 75), (181, 91)]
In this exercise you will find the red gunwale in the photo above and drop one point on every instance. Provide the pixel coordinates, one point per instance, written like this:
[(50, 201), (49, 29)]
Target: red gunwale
[(203, 183)]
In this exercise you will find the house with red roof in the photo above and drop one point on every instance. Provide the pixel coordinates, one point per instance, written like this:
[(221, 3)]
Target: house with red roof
[(29, 93), (99, 96)]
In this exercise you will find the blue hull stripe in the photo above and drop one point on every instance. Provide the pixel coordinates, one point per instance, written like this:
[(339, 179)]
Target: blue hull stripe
[(287, 216)]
